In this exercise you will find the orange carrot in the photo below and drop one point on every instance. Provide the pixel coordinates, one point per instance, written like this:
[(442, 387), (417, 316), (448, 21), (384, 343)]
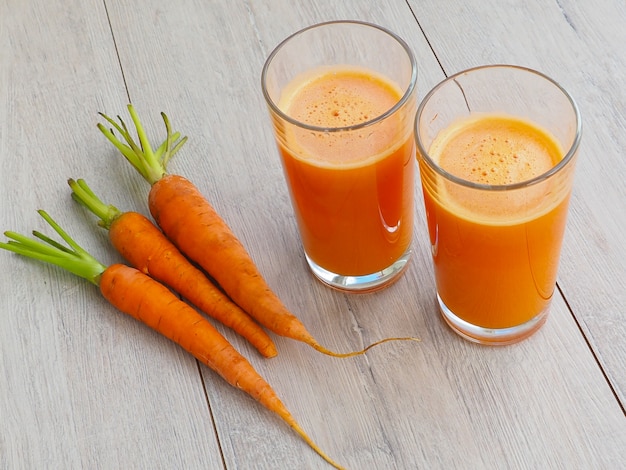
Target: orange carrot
[(145, 247), (193, 225), (153, 304)]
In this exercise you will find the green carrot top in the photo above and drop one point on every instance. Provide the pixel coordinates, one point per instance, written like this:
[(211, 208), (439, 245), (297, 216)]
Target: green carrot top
[(83, 194), (72, 258), (150, 164)]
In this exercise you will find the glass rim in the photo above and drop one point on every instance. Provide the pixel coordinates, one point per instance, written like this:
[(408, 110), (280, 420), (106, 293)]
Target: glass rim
[(569, 155), (401, 102)]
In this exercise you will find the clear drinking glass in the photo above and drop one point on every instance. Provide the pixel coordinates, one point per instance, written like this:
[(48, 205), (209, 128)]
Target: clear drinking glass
[(342, 100), (497, 147)]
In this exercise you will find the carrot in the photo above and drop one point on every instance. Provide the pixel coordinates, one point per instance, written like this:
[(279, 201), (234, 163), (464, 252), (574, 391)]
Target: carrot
[(153, 304), (193, 225), (145, 247)]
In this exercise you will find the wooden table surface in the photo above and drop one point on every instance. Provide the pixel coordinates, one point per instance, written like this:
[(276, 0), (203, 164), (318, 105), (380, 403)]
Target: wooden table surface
[(85, 387)]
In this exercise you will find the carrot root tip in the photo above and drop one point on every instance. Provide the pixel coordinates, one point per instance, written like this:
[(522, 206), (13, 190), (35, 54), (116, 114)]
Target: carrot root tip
[(318, 347), (294, 425)]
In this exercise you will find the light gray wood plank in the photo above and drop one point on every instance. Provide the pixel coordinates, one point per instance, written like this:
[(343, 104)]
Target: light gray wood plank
[(578, 44), (442, 403), (81, 386)]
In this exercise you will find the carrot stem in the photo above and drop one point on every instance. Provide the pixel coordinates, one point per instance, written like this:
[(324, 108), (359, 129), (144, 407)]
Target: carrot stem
[(141, 133), (151, 165), (171, 139), (73, 258), (83, 194)]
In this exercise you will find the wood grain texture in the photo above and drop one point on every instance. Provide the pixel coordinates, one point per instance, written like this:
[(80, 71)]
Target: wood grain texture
[(82, 386)]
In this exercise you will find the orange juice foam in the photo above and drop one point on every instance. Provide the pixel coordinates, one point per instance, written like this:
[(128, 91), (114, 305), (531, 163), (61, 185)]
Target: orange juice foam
[(496, 150), (339, 98)]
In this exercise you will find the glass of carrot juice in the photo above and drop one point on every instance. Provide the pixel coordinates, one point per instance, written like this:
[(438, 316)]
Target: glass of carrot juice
[(497, 147), (342, 100)]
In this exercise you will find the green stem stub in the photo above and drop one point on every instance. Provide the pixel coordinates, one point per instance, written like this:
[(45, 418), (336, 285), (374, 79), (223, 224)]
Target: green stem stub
[(83, 194), (151, 164), (72, 257)]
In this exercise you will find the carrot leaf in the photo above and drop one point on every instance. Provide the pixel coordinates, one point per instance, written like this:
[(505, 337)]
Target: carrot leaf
[(171, 138), (72, 257), (152, 165), (83, 194)]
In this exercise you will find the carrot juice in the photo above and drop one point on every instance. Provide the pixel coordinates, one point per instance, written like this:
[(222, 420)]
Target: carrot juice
[(351, 189), (495, 253)]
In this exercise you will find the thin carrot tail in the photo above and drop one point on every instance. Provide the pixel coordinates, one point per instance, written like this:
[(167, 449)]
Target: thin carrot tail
[(273, 403), (296, 427), (292, 327), (318, 347)]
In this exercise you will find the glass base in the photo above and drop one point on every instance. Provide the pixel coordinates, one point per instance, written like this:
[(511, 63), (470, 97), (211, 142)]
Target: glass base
[(491, 336), (362, 284)]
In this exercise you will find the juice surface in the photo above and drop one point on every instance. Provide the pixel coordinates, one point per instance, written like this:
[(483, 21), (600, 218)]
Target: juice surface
[(495, 150), (352, 190), (496, 255)]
